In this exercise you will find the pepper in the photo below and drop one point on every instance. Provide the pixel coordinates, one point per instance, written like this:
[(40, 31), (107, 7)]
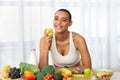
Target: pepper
[(29, 75), (29, 78)]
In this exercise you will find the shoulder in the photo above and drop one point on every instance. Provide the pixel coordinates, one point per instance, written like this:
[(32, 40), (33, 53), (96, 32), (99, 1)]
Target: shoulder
[(78, 39), (77, 36)]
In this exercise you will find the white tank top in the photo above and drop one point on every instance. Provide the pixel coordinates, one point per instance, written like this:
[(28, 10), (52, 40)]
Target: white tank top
[(72, 57)]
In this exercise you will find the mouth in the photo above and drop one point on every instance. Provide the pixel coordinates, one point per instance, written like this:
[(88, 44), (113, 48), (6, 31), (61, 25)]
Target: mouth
[(59, 27)]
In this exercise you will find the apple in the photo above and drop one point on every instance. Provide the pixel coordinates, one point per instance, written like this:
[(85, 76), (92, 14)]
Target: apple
[(50, 34), (49, 31), (66, 71), (87, 71), (63, 70)]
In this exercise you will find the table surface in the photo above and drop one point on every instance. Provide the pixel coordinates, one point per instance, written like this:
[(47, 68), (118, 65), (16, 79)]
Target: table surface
[(115, 76)]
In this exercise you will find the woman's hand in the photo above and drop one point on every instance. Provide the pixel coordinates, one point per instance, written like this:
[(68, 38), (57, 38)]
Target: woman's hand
[(47, 40), (76, 70)]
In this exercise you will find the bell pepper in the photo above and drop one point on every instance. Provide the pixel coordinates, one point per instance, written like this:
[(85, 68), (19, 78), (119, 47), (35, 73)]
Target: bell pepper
[(29, 78), (29, 75)]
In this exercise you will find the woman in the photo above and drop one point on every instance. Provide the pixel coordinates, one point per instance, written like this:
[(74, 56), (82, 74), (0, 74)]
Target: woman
[(68, 49)]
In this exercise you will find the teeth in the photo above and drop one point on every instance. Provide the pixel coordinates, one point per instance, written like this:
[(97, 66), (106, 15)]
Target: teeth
[(58, 27)]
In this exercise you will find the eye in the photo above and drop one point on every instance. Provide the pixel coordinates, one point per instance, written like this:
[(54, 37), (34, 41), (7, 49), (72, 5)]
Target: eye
[(55, 18), (64, 20)]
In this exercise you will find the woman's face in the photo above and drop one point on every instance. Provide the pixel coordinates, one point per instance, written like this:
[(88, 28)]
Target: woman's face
[(61, 21)]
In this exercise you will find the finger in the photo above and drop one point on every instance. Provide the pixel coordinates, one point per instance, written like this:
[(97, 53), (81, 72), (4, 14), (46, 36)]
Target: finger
[(45, 32), (49, 39)]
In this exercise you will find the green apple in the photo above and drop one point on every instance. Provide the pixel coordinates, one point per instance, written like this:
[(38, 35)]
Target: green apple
[(63, 70), (87, 71)]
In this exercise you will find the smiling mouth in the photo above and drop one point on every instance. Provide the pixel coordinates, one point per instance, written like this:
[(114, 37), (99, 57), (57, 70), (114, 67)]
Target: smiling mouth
[(59, 27)]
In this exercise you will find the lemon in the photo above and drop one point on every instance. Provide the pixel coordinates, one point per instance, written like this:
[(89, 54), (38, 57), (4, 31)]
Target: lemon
[(68, 72)]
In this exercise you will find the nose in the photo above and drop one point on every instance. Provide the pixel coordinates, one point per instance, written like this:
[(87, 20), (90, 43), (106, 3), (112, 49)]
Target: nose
[(58, 22)]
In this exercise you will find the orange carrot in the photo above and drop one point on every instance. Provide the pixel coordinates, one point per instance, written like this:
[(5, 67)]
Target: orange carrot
[(64, 75), (69, 78)]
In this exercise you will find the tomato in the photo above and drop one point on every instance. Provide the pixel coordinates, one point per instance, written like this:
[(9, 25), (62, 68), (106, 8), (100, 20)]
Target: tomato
[(104, 76)]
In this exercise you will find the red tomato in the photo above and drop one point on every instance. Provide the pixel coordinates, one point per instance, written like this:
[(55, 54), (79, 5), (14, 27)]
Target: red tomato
[(104, 76)]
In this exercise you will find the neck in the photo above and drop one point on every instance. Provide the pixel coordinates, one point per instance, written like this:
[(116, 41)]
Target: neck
[(62, 36)]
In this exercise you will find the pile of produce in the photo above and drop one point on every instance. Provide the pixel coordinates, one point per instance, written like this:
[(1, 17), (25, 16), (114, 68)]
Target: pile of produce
[(5, 71), (26, 71), (29, 71), (48, 73), (32, 72)]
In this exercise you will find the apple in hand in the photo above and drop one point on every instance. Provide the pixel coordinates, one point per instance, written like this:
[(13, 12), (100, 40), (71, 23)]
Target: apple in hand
[(49, 32)]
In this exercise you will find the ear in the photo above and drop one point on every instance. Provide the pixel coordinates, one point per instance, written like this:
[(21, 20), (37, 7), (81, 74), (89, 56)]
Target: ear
[(70, 23)]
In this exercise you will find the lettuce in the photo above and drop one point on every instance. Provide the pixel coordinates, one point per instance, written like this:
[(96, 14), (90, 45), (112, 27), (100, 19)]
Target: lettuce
[(26, 66)]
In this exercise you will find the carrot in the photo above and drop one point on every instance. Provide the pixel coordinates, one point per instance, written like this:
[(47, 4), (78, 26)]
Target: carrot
[(48, 77), (64, 75), (64, 78), (52, 79), (69, 78), (44, 78)]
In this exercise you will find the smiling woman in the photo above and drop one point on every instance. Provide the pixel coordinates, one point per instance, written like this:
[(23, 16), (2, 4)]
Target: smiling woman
[(67, 48)]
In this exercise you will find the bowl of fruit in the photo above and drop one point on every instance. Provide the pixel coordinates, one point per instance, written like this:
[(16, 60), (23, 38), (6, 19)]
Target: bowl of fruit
[(103, 74)]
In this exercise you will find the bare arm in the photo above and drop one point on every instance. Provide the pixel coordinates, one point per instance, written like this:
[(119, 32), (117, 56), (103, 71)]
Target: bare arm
[(43, 60), (45, 44), (85, 56), (81, 45)]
